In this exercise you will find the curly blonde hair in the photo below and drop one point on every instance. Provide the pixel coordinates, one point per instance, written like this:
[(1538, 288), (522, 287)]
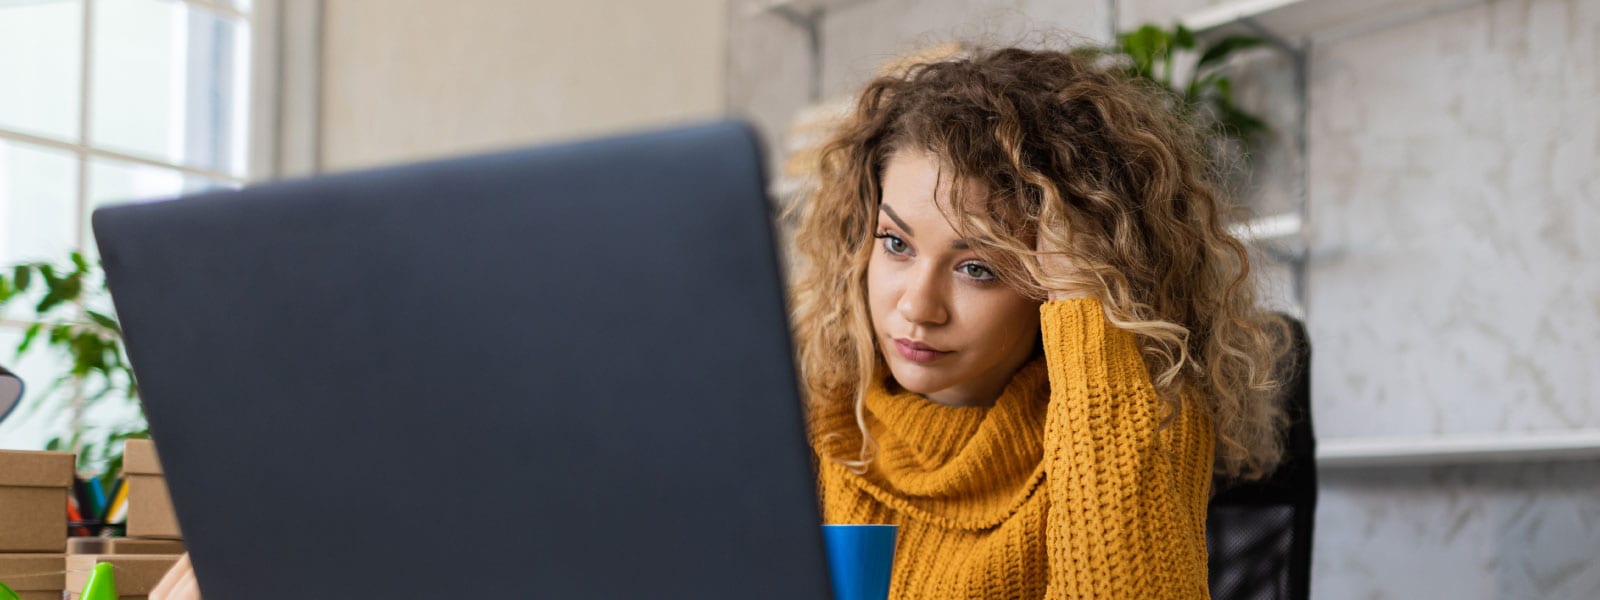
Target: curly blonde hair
[(1101, 167)]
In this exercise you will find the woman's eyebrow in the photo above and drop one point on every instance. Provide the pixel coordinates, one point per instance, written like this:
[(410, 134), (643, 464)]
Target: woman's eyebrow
[(896, 218), (956, 244)]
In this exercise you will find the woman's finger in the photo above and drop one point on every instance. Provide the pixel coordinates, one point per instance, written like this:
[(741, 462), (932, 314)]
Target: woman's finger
[(169, 582), (188, 588)]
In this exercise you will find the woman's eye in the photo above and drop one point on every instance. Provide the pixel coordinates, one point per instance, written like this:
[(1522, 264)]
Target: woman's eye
[(978, 272), (893, 244)]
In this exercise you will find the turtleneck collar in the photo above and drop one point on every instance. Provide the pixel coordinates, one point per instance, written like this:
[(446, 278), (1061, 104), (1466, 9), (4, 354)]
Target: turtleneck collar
[(962, 467)]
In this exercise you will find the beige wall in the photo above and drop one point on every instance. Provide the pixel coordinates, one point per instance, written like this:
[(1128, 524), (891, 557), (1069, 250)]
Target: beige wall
[(409, 79)]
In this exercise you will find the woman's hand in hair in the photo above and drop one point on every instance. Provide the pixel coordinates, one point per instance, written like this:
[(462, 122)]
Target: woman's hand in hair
[(1054, 263)]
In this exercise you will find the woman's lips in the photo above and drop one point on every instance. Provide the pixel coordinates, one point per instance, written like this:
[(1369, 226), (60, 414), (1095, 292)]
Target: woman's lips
[(918, 351)]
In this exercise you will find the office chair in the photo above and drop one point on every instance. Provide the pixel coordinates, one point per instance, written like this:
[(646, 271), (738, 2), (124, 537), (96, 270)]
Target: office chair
[(1258, 533)]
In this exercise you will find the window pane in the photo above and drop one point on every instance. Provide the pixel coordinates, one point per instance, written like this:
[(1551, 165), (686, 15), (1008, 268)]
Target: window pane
[(41, 54), (38, 203), (116, 181), (171, 83)]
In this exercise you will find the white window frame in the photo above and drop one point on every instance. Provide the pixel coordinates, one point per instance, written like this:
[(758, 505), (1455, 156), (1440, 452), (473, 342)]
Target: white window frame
[(283, 132), (284, 106), (286, 83)]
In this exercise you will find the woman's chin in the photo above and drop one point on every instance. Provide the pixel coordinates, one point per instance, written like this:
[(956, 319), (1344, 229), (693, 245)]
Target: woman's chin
[(918, 379)]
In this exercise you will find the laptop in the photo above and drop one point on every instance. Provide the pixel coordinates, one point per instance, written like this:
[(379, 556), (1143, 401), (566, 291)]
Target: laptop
[(562, 372)]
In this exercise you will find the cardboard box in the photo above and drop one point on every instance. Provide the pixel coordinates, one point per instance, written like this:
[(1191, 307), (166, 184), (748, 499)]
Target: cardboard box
[(34, 576), (149, 506), (33, 500), (137, 574), (100, 545), (87, 545)]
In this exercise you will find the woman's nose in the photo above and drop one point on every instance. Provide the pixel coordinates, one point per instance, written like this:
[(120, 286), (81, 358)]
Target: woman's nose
[(922, 300)]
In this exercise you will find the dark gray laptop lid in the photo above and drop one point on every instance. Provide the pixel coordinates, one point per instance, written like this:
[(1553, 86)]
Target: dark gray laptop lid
[(553, 373)]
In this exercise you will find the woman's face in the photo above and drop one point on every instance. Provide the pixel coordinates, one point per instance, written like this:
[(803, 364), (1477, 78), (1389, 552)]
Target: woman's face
[(947, 327)]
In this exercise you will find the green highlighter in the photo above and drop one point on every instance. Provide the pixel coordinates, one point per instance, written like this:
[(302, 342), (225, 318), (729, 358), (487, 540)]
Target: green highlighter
[(102, 584)]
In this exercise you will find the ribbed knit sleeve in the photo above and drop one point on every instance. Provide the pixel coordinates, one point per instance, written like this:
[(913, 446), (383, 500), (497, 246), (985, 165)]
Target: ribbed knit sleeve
[(1127, 495)]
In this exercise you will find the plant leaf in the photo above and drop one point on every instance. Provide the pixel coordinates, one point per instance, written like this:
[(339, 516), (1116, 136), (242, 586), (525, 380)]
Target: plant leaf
[(60, 334), (22, 274), (1182, 37), (1143, 44), (27, 337), (87, 353), (1237, 123), (1225, 46), (105, 321), (1224, 87), (62, 290), (49, 301)]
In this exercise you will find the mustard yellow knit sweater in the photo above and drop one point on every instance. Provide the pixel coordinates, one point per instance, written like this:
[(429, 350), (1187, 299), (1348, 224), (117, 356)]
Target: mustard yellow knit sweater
[(1067, 487)]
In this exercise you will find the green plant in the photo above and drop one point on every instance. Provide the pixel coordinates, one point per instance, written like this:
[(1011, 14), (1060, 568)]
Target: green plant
[(62, 320), (1157, 54)]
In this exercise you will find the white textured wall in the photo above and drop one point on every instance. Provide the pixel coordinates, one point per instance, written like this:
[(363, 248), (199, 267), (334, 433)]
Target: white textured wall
[(409, 79), (1511, 531), (1133, 13), (1455, 288), (859, 37), (1455, 204)]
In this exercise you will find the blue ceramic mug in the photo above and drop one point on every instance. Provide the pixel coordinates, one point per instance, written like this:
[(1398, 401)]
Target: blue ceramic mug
[(860, 560)]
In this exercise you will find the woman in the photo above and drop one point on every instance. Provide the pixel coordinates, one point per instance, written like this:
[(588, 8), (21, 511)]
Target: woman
[(1027, 337), (1025, 334)]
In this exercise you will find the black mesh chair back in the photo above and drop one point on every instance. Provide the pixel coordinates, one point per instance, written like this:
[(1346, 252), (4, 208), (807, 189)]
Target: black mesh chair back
[(1258, 533)]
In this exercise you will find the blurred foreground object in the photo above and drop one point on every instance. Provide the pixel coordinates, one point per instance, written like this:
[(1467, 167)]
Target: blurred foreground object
[(10, 392)]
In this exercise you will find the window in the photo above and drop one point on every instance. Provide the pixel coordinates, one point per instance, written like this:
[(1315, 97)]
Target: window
[(104, 101)]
